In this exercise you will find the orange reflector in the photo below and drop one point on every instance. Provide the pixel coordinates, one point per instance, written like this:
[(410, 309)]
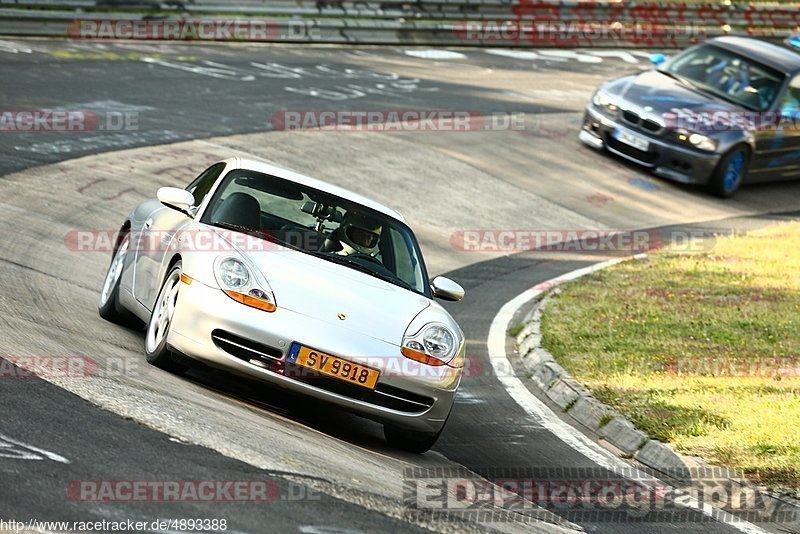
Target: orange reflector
[(458, 361), (186, 279), (421, 357), (253, 302)]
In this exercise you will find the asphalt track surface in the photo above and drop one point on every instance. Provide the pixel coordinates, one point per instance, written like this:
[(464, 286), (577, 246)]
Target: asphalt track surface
[(223, 98), (108, 447)]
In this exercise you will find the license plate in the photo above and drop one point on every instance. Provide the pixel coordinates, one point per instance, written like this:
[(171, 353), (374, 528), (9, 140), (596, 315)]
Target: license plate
[(630, 139), (334, 366)]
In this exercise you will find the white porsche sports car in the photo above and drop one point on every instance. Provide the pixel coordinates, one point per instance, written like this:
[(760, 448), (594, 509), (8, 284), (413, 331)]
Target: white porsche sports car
[(296, 282)]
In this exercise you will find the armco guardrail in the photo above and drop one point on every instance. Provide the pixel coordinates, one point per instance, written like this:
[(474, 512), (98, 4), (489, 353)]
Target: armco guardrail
[(563, 23)]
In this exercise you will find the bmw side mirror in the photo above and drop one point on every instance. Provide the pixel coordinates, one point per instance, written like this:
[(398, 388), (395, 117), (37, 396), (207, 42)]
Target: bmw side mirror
[(446, 289), (657, 58), (176, 198), (790, 112)]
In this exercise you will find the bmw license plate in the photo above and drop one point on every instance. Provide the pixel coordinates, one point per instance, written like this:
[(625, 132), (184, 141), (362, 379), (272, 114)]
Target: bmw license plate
[(636, 141), (333, 366)]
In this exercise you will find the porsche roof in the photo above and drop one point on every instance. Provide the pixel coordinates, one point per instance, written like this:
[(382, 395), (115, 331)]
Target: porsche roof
[(286, 174)]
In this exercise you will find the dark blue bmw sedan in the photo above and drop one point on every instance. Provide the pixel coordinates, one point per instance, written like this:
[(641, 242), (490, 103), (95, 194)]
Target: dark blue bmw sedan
[(720, 114)]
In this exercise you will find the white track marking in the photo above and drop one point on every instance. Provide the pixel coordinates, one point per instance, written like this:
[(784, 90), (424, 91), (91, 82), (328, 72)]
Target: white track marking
[(24, 451), (584, 56), (496, 344), (567, 55), (514, 54), (435, 54), (210, 68), (14, 48), (624, 55)]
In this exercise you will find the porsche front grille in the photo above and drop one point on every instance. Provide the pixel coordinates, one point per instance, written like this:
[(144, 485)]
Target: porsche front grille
[(245, 349)]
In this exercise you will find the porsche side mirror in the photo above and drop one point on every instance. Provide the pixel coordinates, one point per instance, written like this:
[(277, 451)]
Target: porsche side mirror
[(176, 198), (446, 289)]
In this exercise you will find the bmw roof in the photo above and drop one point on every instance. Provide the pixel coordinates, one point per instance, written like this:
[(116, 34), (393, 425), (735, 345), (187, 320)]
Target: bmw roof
[(780, 58)]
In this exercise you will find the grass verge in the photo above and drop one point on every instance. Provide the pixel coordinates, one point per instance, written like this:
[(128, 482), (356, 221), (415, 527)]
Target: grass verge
[(700, 350)]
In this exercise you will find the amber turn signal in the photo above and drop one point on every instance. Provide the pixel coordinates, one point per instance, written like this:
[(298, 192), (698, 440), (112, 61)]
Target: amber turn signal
[(421, 357), (253, 302)]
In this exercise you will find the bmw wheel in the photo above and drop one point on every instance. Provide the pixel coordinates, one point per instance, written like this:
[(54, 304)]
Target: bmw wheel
[(730, 172)]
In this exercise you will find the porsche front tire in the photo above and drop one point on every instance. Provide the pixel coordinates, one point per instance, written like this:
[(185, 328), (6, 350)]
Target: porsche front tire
[(155, 342), (409, 440), (109, 307)]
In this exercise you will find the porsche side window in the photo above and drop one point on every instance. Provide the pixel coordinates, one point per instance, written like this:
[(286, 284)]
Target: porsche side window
[(201, 185), (406, 265)]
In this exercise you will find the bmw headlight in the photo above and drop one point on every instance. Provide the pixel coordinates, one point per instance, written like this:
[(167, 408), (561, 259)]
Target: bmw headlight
[(235, 279), (434, 344), (604, 101), (703, 142)]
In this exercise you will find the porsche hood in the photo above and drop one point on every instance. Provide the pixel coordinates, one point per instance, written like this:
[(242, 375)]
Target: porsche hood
[(337, 294)]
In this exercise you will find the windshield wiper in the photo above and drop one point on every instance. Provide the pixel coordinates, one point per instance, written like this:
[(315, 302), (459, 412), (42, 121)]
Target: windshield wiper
[(342, 260), (269, 236), (707, 89), (681, 79), (235, 227)]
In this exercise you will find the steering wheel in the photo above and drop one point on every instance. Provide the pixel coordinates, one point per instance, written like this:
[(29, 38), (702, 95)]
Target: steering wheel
[(361, 255)]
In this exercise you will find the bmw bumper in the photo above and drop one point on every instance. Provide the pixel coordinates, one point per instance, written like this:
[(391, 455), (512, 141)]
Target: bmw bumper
[(665, 158), (213, 328)]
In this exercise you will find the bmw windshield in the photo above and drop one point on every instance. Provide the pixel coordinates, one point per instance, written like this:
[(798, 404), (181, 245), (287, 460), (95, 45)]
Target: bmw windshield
[(727, 75), (320, 224)]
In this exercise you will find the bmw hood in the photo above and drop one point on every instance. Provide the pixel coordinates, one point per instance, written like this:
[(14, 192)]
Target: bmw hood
[(657, 94), (327, 291)]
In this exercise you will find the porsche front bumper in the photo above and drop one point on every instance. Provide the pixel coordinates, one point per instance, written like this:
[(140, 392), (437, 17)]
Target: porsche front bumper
[(211, 327)]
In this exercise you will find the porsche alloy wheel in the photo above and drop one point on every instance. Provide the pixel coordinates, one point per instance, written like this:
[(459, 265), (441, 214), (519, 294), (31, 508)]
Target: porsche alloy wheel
[(109, 307), (156, 348)]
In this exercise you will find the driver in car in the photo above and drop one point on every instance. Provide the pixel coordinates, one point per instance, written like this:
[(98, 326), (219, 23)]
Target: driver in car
[(359, 234)]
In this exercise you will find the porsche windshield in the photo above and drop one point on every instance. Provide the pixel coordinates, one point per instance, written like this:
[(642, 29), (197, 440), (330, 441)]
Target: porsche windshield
[(320, 224), (728, 75)]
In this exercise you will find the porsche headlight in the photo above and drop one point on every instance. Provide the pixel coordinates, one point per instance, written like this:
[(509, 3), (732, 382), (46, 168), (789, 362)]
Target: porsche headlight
[(235, 279), (434, 344), (233, 274), (703, 142)]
